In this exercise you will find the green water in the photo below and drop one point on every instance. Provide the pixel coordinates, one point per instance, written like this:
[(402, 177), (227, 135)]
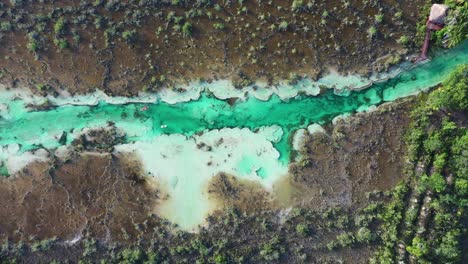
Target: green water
[(251, 154)]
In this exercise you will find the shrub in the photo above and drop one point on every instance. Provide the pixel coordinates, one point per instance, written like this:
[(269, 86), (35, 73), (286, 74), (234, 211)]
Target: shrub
[(398, 15), (61, 43), (403, 40), (364, 235), (187, 29), (379, 18), (345, 239), (297, 5), (283, 26), (5, 26), (219, 26), (220, 259), (131, 256), (331, 245), (372, 31), (59, 26), (41, 87), (43, 245), (130, 36), (302, 229), (433, 143), (33, 45), (460, 156), (271, 250)]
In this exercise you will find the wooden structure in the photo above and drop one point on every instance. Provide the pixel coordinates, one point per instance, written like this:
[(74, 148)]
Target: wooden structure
[(436, 21)]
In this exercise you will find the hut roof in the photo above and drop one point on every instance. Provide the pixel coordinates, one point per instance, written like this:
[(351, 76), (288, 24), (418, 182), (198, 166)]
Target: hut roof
[(438, 13)]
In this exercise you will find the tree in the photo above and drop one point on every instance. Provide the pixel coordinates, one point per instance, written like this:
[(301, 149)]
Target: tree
[(437, 182), (454, 91), (461, 187), (449, 248), (418, 248)]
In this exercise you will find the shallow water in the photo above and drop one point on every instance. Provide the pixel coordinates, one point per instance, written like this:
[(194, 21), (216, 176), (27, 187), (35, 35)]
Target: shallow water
[(260, 152)]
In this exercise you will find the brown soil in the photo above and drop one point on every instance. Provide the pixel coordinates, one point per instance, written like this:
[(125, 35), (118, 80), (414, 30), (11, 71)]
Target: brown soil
[(326, 34), (247, 196), (93, 194), (355, 157)]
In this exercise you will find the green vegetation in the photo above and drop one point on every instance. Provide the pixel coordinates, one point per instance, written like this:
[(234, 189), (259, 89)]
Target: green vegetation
[(456, 24), (6, 26), (437, 148), (418, 248), (272, 249), (456, 28), (379, 18), (43, 245), (130, 36), (283, 26), (187, 29), (33, 42), (297, 5), (41, 87), (59, 27), (302, 229), (219, 26), (61, 43), (364, 235), (454, 93), (403, 40), (372, 31)]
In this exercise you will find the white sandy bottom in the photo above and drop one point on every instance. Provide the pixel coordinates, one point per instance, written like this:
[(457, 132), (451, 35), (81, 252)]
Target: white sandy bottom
[(184, 166), (14, 161)]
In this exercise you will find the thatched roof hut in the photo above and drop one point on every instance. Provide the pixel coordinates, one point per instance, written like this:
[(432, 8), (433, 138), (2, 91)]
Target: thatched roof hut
[(436, 21), (438, 14)]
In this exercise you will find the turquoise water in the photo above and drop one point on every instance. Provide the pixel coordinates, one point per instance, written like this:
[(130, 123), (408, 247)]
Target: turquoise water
[(33, 129), (165, 136)]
